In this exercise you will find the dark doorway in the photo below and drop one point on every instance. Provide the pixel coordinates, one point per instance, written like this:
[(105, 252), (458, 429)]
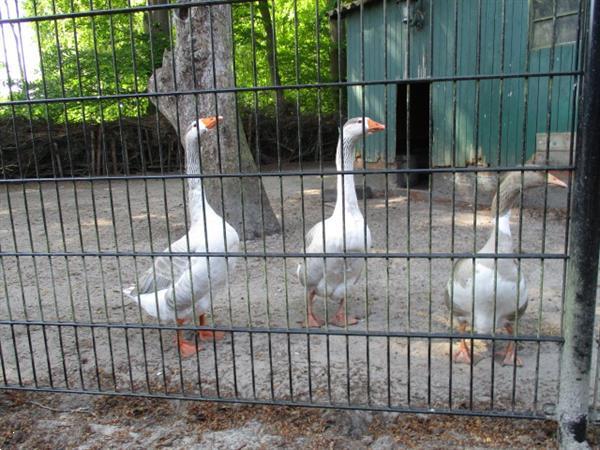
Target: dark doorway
[(412, 121)]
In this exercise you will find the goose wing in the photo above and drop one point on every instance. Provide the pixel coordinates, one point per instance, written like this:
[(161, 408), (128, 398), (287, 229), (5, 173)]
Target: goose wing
[(166, 268), (201, 275), (314, 237), (462, 274), (191, 284), (314, 244)]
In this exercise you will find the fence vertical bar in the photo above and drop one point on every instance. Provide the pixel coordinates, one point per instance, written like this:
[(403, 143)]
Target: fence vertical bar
[(582, 270)]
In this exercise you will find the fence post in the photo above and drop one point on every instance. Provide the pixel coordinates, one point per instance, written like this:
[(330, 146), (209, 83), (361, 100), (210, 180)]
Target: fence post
[(584, 240)]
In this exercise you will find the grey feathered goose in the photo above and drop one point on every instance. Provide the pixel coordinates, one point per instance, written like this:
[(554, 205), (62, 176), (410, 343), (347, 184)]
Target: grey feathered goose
[(510, 285)]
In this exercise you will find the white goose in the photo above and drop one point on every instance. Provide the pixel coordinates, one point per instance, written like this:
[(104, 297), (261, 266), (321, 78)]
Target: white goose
[(506, 280), (330, 278), (173, 289)]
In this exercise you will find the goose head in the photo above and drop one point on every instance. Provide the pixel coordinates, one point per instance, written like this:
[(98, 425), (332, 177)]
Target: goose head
[(531, 179), (512, 184), (201, 126), (356, 126)]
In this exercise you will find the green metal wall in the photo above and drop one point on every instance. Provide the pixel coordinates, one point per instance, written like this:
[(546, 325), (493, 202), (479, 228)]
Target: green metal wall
[(497, 135)]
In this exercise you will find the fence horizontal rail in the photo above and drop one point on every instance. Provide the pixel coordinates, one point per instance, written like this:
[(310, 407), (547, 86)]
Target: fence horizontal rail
[(293, 173), (267, 402), (127, 10), (254, 89), (288, 331), (350, 255)]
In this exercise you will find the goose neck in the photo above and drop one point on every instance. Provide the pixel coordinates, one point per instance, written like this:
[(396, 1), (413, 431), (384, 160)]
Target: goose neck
[(344, 161), (500, 228), (196, 197), (506, 197), (192, 159)]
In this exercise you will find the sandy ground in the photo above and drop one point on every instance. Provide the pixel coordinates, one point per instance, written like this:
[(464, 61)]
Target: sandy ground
[(396, 294)]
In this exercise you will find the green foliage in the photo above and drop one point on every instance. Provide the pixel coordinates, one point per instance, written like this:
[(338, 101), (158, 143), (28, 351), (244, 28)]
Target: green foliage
[(116, 54), (303, 52), (91, 56)]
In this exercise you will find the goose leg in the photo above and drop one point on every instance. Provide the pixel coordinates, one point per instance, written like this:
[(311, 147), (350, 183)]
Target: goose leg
[(463, 353), (312, 321), (509, 352), (187, 347), (206, 335), (340, 319)]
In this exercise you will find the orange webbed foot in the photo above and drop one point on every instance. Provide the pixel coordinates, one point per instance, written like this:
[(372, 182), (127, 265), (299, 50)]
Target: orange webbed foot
[(187, 347), (205, 335), (341, 320), (510, 359), (313, 322), (463, 354)]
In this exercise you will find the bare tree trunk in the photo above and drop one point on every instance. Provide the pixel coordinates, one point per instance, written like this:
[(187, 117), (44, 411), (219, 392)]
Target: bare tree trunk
[(182, 71), (337, 56), (159, 18), (265, 14)]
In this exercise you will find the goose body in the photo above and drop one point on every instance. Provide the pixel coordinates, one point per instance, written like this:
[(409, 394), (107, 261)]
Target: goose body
[(502, 275), (494, 292), (178, 287), (344, 232), (327, 278)]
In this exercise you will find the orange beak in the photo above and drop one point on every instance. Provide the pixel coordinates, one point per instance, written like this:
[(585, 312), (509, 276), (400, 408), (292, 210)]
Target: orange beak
[(555, 181), (373, 127), (210, 122)]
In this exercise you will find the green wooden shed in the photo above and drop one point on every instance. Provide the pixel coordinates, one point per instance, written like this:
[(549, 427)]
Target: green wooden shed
[(419, 45)]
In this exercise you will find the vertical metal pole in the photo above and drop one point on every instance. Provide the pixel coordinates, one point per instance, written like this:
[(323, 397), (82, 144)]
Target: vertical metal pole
[(582, 270)]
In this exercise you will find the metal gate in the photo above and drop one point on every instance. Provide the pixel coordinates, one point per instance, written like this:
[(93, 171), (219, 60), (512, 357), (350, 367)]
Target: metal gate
[(99, 182)]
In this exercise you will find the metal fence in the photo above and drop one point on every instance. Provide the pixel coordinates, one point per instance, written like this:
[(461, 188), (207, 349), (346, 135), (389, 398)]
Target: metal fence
[(95, 184)]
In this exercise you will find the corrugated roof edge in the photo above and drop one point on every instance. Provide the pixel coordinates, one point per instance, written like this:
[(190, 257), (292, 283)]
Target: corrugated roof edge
[(349, 7)]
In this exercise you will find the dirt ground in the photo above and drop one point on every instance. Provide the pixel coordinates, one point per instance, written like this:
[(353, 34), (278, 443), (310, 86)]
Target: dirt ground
[(396, 294), (69, 421)]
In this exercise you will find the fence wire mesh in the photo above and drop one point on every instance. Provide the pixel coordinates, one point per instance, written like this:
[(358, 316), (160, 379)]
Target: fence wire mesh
[(120, 277)]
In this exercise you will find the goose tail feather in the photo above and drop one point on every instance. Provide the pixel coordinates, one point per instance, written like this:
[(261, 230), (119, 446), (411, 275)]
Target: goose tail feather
[(131, 294)]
